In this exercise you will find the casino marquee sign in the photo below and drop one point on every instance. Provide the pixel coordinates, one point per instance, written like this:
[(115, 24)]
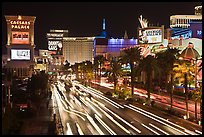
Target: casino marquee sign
[(20, 24)]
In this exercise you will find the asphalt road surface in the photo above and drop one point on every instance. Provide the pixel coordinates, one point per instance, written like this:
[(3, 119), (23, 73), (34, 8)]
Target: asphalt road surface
[(86, 111)]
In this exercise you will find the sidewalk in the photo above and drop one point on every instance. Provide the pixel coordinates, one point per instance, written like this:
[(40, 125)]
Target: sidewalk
[(39, 124)]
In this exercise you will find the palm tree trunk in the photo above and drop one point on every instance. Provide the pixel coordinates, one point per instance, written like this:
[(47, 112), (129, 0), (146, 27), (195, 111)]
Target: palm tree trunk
[(149, 77), (196, 110), (171, 90), (186, 92), (100, 74), (132, 79), (201, 114)]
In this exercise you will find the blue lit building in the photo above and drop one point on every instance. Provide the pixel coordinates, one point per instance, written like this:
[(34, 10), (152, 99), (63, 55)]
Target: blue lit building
[(111, 47)]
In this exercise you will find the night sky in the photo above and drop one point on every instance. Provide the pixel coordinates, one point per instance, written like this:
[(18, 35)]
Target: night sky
[(85, 18)]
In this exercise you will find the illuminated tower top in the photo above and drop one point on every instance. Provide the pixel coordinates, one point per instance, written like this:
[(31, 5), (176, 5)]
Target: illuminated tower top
[(104, 24), (125, 35)]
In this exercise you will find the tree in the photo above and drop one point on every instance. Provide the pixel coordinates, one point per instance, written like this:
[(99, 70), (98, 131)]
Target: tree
[(148, 65), (99, 61), (186, 92), (38, 86), (115, 72), (87, 69), (197, 96), (133, 57), (65, 67), (75, 69), (166, 60)]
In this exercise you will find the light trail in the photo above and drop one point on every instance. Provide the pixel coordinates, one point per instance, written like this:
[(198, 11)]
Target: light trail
[(79, 129), (77, 111), (82, 100), (95, 90), (105, 126), (95, 125), (156, 119), (150, 129), (122, 119), (74, 113), (198, 132), (186, 130), (111, 118), (100, 96), (58, 100), (93, 108), (77, 101), (69, 130), (159, 129)]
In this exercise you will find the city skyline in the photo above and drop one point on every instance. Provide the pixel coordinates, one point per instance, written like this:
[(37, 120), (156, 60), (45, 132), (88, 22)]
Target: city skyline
[(85, 18)]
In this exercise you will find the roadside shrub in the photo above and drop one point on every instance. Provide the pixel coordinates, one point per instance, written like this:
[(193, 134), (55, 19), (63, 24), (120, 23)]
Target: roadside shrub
[(108, 93), (153, 103)]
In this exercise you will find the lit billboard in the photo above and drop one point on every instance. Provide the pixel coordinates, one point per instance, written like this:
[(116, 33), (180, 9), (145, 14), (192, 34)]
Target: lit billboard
[(56, 46), (20, 37), (150, 35), (20, 54)]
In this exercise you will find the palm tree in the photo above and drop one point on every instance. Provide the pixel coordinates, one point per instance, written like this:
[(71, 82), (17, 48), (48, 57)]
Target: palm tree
[(148, 65), (115, 71), (166, 60), (75, 69), (132, 56), (197, 96), (99, 61), (87, 69)]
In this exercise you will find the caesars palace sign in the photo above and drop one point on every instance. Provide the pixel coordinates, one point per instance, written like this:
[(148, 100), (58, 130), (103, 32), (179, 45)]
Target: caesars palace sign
[(20, 24)]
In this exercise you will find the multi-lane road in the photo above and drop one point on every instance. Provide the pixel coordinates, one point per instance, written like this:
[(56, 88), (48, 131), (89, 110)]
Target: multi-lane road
[(86, 111)]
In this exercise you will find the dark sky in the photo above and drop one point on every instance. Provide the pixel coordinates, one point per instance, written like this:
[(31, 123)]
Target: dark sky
[(85, 18)]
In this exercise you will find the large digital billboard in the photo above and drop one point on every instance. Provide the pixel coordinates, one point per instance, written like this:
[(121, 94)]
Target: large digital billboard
[(20, 37), (54, 45), (20, 54), (150, 35)]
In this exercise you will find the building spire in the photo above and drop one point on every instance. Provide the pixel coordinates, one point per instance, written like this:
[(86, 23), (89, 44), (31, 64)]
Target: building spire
[(125, 35), (104, 24)]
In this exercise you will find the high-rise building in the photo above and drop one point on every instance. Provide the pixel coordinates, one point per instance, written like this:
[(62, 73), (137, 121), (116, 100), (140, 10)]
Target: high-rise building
[(78, 49), (181, 24), (20, 45)]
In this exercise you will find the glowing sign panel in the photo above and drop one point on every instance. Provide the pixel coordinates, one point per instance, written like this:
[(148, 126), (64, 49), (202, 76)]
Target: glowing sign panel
[(54, 45), (20, 54), (147, 36), (20, 37), (20, 24)]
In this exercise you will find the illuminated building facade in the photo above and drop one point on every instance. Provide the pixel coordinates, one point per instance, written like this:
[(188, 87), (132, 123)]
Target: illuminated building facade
[(181, 24), (111, 47), (78, 49), (20, 45), (41, 61), (55, 49)]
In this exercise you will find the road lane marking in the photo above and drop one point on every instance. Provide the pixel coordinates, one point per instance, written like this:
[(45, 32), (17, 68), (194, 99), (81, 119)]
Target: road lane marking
[(159, 129), (150, 129)]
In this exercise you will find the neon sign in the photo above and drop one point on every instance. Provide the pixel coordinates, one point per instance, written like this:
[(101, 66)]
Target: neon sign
[(20, 37), (20, 24)]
